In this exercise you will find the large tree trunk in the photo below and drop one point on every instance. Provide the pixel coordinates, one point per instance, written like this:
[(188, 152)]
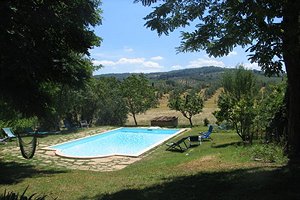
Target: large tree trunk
[(291, 53)]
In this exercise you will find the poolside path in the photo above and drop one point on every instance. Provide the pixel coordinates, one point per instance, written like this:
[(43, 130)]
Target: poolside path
[(10, 152)]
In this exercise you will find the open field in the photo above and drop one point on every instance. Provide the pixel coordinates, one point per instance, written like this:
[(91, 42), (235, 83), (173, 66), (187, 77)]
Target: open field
[(163, 109)]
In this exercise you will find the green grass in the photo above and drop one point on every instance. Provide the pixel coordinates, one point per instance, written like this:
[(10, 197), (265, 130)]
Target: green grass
[(218, 169)]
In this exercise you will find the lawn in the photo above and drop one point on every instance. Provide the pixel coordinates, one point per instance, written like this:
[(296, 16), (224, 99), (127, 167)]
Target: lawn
[(219, 169)]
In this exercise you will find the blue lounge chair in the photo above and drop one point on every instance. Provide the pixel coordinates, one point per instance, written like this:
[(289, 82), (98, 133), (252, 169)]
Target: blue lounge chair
[(9, 134), (206, 135), (179, 145)]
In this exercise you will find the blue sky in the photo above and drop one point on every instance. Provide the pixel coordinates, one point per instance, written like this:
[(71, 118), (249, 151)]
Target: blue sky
[(128, 46)]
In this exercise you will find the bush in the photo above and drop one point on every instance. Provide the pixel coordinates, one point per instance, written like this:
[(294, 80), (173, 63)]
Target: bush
[(4, 124), (268, 153), (19, 125)]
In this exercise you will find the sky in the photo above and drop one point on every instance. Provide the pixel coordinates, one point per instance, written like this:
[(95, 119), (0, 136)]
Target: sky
[(128, 46)]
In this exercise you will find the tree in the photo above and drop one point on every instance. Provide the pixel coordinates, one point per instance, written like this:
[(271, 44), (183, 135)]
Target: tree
[(269, 29), (100, 101), (44, 42), (112, 109), (138, 94), (189, 104), (77, 104), (271, 117), (238, 101)]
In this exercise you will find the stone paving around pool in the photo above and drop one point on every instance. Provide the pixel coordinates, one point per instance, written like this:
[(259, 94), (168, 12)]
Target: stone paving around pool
[(42, 158)]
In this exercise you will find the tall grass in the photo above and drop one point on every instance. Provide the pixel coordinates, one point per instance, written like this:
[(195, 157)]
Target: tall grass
[(163, 109)]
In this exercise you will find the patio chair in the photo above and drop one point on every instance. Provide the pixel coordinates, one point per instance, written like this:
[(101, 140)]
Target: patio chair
[(206, 135), (83, 123), (179, 145), (9, 134), (194, 140)]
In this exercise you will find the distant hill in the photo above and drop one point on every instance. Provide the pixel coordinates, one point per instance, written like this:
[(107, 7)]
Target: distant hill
[(191, 73), (201, 77)]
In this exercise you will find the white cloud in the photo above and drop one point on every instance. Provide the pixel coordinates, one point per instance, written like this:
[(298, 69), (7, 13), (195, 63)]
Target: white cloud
[(157, 58), (201, 62), (121, 61), (233, 53), (152, 65), (251, 66), (143, 65), (130, 61), (103, 62), (122, 65)]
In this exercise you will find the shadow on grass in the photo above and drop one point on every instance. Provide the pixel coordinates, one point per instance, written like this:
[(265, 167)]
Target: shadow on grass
[(228, 144), (12, 172), (252, 183)]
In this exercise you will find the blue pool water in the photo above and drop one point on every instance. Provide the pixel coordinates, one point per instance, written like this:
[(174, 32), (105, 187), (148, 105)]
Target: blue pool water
[(122, 141)]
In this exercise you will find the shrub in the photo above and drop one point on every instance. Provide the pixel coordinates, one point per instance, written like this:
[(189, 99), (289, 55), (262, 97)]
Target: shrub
[(4, 124), (19, 125), (269, 153)]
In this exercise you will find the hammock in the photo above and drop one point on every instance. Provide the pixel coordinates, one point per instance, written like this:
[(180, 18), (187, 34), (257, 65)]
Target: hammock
[(27, 149)]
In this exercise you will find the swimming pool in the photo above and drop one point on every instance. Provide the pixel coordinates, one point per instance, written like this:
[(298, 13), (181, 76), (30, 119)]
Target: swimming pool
[(121, 141)]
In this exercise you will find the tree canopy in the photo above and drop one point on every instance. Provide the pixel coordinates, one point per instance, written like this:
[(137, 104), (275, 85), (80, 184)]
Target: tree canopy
[(222, 25), (42, 42), (268, 29), (188, 103), (138, 94), (237, 102)]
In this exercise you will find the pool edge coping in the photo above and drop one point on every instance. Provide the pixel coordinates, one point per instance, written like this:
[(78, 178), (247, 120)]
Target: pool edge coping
[(58, 152)]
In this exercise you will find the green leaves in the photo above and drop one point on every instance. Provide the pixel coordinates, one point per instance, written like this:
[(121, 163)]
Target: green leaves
[(219, 26), (112, 109), (237, 102), (189, 104), (138, 94), (241, 83), (42, 42)]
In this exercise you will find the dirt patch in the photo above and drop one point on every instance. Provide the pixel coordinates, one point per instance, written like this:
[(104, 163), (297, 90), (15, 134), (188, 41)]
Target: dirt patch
[(206, 162), (214, 163)]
